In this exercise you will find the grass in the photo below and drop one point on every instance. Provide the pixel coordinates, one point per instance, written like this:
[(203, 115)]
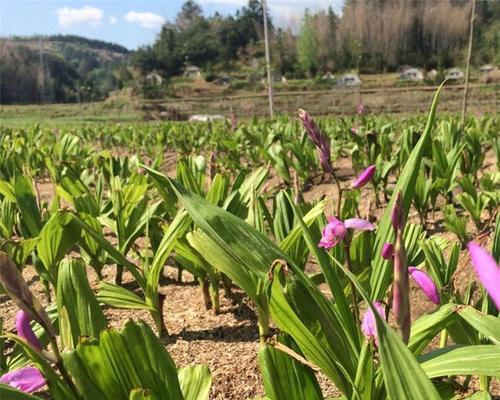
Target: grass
[(122, 107)]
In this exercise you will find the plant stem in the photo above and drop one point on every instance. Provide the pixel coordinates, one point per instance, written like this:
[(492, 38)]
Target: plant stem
[(119, 275), (355, 311), (484, 383), (340, 192), (60, 366), (443, 339), (205, 292), (263, 321)]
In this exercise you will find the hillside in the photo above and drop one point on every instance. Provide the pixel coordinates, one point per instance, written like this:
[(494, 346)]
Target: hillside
[(60, 68)]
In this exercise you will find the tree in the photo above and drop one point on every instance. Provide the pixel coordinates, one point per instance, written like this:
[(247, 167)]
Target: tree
[(307, 47), (190, 12)]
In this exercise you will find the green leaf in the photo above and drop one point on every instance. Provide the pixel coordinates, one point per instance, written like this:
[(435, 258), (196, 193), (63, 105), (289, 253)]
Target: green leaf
[(195, 382), (57, 237), (58, 388), (118, 257), (119, 297), (403, 376), (425, 328), (75, 296), (121, 361), (462, 360), (487, 325), (380, 278), (26, 200), (284, 377), (9, 393), (141, 394)]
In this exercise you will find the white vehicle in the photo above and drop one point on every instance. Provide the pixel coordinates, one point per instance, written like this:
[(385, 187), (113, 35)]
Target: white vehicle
[(349, 80), (454, 74)]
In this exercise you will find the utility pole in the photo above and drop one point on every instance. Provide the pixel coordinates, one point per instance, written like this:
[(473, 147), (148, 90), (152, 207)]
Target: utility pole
[(469, 55), (268, 61)]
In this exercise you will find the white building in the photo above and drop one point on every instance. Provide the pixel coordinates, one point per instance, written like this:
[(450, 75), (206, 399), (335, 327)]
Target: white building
[(192, 72), (454, 74), (411, 74), (349, 80)]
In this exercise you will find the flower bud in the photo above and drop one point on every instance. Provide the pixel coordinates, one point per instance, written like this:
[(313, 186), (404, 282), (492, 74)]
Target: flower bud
[(387, 251), (364, 177), (24, 330), (425, 283), (401, 288)]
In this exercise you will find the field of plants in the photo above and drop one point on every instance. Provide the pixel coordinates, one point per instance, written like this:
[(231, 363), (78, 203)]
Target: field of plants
[(302, 258)]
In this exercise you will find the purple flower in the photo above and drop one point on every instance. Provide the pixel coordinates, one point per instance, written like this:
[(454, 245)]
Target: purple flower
[(320, 140), (354, 131), (426, 284), (387, 251), (368, 325), (336, 230), (26, 379), (360, 108), (24, 330), (364, 177), (487, 270)]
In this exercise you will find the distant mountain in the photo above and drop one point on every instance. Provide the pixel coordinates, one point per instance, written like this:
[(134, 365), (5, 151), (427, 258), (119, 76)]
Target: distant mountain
[(60, 68)]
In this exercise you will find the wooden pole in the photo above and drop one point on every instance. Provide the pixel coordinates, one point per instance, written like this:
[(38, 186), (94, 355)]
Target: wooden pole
[(467, 71), (268, 61)]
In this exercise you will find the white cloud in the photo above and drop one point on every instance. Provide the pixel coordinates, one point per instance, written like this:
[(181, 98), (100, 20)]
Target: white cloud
[(113, 20), (70, 16), (145, 19)]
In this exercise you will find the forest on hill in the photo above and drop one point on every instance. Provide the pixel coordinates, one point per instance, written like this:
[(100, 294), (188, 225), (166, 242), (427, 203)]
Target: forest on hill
[(60, 68), (369, 36)]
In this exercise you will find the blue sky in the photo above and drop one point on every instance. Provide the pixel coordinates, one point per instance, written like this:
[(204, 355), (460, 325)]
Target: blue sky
[(130, 23)]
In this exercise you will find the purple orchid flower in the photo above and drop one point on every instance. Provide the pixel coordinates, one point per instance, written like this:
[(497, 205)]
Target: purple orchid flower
[(364, 177), (368, 325), (319, 139), (425, 282), (24, 330), (487, 270), (354, 131), (26, 379), (360, 109), (387, 251), (336, 230)]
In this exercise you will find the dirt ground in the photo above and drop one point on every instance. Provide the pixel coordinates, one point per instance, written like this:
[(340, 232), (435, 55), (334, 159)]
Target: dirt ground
[(228, 342)]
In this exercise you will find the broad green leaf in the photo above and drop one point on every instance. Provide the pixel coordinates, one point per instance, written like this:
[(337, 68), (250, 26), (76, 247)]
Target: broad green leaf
[(313, 349), (195, 382), (286, 378), (9, 393), (406, 185), (121, 361), (296, 233), (119, 297), (57, 237), (487, 325), (462, 360), (26, 201), (425, 328), (403, 376), (75, 296), (118, 257)]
